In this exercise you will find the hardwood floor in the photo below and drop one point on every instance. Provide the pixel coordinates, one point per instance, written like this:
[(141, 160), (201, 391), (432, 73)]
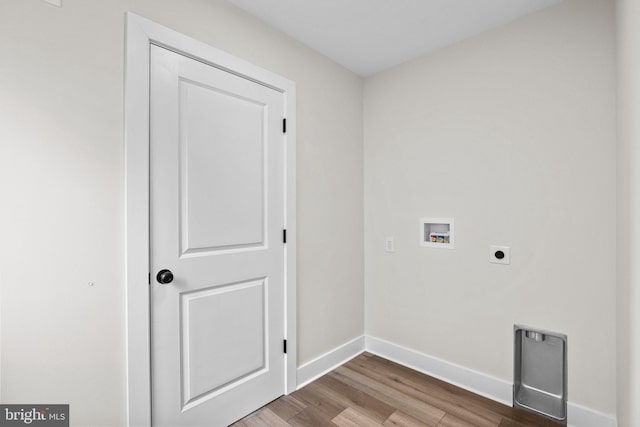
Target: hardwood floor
[(371, 391)]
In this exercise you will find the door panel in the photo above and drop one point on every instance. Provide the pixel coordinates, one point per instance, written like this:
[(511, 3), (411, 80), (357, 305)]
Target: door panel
[(217, 213), (215, 174), (239, 346)]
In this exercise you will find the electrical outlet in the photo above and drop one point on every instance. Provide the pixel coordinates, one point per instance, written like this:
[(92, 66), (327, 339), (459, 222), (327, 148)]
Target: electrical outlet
[(500, 254), (390, 244)]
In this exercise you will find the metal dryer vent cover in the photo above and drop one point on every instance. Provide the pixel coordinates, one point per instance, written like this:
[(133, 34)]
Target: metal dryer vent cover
[(540, 372)]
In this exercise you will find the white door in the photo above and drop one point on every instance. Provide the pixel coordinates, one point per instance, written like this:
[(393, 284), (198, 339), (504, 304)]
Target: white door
[(217, 214)]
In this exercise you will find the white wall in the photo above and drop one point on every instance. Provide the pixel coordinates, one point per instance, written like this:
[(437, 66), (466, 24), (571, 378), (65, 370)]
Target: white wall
[(61, 181), (628, 386), (512, 133)]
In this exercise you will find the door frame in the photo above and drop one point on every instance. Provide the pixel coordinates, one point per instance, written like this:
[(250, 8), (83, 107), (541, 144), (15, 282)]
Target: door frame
[(141, 33)]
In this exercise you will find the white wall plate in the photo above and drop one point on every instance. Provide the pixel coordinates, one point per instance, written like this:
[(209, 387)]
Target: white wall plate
[(500, 254)]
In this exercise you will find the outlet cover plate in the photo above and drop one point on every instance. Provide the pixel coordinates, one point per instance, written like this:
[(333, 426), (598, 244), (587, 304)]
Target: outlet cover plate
[(390, 244), (494, 254)]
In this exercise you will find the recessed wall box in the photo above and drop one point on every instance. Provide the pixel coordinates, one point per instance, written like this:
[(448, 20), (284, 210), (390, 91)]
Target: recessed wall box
[(437, 233), (540, 372)]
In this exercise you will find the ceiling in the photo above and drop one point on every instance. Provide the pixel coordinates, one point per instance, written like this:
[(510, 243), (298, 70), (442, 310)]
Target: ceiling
[(367, 36)]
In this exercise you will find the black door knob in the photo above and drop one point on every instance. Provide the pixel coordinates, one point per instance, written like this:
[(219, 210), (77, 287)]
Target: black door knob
[(164, 277)]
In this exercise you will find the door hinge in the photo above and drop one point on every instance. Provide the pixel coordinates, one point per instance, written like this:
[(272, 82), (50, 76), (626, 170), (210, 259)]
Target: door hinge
[(149, 279), (284, 346), (284, 125), (284, 236)]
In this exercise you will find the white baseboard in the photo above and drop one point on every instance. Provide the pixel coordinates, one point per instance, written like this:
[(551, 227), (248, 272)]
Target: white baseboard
[(474, 381), (324, 363), (477, 382), (581, 416)]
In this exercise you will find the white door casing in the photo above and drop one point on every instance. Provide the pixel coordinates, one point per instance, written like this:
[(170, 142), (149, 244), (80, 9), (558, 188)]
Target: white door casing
[(221, 258)]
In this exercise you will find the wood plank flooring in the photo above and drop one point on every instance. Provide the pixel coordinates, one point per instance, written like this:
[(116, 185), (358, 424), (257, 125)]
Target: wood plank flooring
[(371, 391)]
